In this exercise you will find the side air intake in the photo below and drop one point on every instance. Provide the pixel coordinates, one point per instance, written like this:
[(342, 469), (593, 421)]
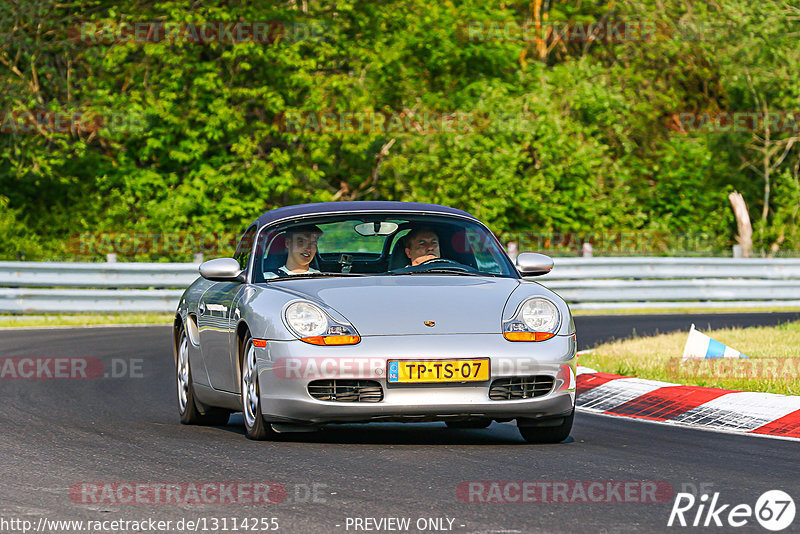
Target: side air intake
[(521, 387), (346, 390)]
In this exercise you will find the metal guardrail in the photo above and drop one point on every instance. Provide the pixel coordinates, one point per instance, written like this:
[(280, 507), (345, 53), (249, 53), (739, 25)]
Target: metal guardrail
[(88, 300), (596, 283), (673, 268), (656, 282), (30, 287), (675, 290), (97, 275)]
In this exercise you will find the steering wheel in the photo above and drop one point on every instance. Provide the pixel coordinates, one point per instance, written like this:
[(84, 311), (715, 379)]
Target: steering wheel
[(437, 260)]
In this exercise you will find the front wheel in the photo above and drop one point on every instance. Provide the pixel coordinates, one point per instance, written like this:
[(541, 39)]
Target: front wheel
[(548, 434), (187, 405), (254, 424)]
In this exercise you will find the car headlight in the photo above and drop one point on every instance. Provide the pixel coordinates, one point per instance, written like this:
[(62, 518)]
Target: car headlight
[(537, 319), (306, 319), (312, 325)]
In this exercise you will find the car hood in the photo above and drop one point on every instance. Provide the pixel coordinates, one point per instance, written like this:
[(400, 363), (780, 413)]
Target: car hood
[(400, 305)]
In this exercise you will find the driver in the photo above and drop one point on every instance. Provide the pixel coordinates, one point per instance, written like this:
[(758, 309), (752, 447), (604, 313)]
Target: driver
[(422, 244)]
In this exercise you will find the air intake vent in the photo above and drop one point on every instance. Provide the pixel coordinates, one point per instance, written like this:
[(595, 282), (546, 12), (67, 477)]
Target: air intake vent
[(346, 390), (521, 387)]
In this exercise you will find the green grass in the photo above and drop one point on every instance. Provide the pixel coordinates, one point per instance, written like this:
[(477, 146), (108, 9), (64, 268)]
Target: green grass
[(7, 321), (773, 367)]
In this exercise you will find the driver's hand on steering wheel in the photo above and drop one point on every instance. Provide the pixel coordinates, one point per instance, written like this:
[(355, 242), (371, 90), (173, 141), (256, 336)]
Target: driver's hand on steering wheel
[(423, 259)]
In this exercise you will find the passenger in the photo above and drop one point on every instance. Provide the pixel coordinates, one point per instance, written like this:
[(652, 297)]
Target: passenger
[(301, 247), (421, 244)]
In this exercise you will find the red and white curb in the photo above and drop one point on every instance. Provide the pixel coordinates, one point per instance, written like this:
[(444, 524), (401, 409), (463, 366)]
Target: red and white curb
[(726, 410)]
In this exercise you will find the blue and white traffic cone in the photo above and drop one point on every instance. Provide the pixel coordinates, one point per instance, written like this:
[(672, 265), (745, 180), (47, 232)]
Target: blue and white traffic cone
[(700, 346)]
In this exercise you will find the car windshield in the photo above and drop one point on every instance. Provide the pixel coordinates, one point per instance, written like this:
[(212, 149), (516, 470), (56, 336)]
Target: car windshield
[(375, 245)]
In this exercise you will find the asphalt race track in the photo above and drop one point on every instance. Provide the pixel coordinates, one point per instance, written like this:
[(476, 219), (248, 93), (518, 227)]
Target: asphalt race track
[(58, 434)]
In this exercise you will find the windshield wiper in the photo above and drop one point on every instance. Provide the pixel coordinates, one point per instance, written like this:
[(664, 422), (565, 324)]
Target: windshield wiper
[(442, 271), (452, 271), (309, 275)]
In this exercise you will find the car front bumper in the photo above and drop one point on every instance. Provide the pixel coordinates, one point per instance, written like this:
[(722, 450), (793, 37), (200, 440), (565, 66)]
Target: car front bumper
[(287, 367)]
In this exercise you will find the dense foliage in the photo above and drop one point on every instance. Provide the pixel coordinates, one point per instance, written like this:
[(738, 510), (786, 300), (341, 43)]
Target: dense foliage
[(570, 137)]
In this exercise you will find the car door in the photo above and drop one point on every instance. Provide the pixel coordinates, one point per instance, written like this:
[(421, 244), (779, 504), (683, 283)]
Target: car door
[(217, 325)]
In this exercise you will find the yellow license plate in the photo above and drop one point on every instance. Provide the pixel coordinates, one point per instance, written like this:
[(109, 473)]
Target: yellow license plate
[(430, 371)]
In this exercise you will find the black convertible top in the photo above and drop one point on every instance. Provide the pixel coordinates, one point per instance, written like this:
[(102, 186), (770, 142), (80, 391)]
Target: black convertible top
[(301, 210)]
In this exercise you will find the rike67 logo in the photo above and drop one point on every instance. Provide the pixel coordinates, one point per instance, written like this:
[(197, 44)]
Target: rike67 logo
[(774, 510)]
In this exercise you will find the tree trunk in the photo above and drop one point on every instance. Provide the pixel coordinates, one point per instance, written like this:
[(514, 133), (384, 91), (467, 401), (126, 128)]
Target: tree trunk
[(745, 237), (541, 46), (767, 169)]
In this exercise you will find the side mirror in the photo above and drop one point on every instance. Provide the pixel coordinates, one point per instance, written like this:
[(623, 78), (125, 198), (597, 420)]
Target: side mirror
[(534, 264), (222, 270)]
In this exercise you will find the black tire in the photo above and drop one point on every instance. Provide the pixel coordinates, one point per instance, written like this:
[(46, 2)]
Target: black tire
[(472, 423), (548, 434), (187, 404), (255, 427)]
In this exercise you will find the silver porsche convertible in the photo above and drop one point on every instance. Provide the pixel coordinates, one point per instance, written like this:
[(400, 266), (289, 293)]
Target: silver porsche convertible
[(350, 312)]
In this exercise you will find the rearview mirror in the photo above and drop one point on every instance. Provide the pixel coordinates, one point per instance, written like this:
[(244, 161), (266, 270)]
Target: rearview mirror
[(375, 228), (534, 264), (222, 270)]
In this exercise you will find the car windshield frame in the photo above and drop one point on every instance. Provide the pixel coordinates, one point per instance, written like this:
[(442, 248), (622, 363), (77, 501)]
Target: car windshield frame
[(447, 224)]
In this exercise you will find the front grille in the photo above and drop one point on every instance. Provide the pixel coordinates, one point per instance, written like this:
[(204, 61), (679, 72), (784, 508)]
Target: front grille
[(346, 390), (521, 387)]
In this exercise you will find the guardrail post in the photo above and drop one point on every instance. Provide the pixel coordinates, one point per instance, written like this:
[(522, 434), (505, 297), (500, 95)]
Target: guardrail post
[(512, 249)]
